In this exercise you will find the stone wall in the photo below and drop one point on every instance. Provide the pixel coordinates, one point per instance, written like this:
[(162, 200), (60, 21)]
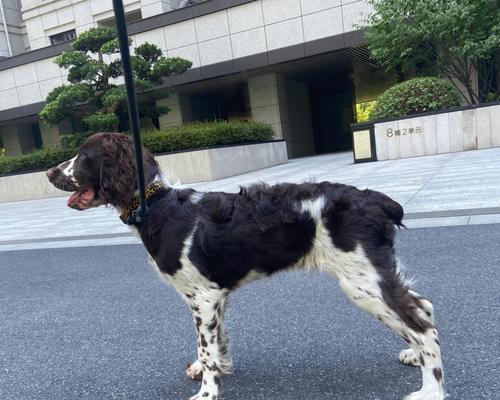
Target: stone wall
[(461, 130)]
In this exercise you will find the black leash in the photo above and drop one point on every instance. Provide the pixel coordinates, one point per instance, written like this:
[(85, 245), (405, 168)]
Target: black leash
[(121, 26)]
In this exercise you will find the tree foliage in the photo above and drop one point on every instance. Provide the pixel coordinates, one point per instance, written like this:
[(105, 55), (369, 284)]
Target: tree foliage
[(94, 99), (453, 38), (414, 96)]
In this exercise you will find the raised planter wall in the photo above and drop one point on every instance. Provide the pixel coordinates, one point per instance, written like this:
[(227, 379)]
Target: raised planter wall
[(470, 128), (184, 167), (211, 164)]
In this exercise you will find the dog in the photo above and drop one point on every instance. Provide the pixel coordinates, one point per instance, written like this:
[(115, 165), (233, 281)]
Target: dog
[(209, 244)]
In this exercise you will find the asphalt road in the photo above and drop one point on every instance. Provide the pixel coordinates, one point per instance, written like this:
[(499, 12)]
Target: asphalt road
[(97, 323)]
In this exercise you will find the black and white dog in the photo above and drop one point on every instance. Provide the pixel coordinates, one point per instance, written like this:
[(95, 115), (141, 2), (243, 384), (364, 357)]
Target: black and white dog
[(209, 244)]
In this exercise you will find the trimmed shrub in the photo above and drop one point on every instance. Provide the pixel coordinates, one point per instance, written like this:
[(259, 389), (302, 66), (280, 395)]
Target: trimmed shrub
[(416, 96), (205, 134), (36, 160), (190, 136)]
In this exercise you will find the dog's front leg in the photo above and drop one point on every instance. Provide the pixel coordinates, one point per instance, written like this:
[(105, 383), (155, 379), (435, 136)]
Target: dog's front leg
[(206, 308)]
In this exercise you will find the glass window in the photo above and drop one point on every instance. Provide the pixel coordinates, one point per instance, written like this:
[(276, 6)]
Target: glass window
[(63, 37)]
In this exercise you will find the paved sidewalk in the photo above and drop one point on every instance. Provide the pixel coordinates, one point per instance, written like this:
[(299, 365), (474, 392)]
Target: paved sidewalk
[(442, 190)]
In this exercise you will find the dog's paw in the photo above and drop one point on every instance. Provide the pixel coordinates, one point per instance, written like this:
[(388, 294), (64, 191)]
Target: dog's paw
[(205, 395), (195, 371), (409, 357), (426, 395)]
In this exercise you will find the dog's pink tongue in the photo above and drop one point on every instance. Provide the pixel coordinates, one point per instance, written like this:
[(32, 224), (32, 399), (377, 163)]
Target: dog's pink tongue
[(80, 197), (73, 198)]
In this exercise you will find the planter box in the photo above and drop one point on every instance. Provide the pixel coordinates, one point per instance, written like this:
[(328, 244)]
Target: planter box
[(220, 162), (461, 129), (184, 167)]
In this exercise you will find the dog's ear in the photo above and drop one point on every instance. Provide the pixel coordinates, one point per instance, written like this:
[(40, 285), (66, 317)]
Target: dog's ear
[(118, 170)]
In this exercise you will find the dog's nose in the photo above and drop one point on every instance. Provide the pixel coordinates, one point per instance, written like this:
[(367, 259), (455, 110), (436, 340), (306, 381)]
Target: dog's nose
[(51, 172)]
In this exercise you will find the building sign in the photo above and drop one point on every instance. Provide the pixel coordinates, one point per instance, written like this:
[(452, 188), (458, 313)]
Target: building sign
[(404, 132), (362, 145)]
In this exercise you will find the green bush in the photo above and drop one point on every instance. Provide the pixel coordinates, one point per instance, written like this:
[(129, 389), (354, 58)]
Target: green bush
[(189, 136), (205, 134), (415, 96), (35, 161)]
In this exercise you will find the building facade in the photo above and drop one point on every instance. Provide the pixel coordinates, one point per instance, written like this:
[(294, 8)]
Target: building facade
[(300, 65)]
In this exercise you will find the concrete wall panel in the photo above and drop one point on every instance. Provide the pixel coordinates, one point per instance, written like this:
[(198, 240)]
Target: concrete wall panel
[(470, 141), (324, 23), (29, 94), (313, 6), (429, 132), (245, 17), (392, 142), (405, 143), (9, 99), (212, 26), (468, 129), (443, 133), (381, 140), (181, 34), (25, 74), (416, 133), (456, 131), (284, 34), (249, 42), (278, 10), (495, 125), (7, 80), (215, 51), (483, 126)]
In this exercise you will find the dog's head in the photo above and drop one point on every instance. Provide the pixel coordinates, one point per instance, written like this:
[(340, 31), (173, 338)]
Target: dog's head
[(103, 172)]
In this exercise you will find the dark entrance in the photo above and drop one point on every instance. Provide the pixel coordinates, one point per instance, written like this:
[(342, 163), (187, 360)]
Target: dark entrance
[(337, 82), (333, 115)]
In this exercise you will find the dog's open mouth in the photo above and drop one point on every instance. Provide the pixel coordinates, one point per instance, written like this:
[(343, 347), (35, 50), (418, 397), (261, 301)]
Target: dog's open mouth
[(81, 199)]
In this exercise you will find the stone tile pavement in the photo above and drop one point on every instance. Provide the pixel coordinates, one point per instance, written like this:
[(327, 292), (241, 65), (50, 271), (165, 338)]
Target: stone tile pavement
[(441, 190)]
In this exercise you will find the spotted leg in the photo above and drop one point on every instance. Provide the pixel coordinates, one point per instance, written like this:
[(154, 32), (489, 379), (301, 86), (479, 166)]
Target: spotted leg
[(222, 338), (426, 311), (194, 370), (208, 308), (384, 294)]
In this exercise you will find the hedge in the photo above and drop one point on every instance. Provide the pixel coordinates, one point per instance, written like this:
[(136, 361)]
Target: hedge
[(190, 136), (415, 96), (35, 161), (205, 134)]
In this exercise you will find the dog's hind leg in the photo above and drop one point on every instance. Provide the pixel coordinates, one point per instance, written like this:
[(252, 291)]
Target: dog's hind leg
[(222, 338), (426, 310), (208, 311), (384, 294), (195, 370)]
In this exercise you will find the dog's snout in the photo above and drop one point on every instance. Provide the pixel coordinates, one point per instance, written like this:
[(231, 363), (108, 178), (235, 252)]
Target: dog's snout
[(51, 172), (57, 177)]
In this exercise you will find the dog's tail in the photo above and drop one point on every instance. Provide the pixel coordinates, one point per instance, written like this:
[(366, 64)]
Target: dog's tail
[(392, 209)]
